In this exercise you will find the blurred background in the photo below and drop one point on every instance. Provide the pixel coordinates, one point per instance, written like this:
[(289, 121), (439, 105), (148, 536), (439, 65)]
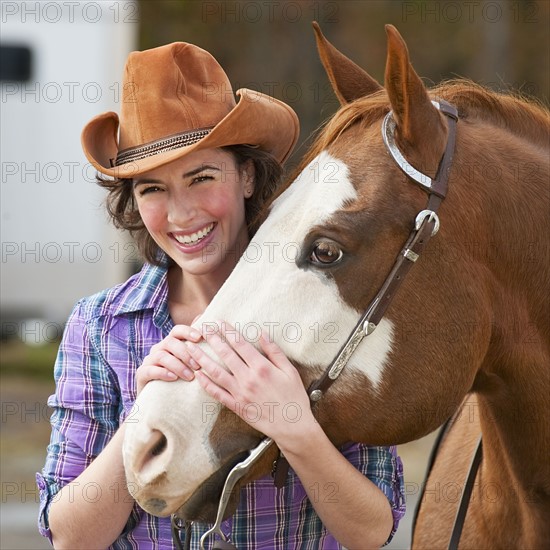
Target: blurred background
[(61, 64)]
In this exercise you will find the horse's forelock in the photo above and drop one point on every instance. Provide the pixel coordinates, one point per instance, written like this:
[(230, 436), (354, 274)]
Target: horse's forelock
[(366, 110)]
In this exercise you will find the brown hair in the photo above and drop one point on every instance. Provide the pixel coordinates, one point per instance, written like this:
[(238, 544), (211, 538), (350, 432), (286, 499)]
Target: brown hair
[(122, 208)]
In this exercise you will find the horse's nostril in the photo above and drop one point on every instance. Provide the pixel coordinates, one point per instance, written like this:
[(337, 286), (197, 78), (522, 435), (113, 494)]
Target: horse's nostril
[(160, 446), (151, 456)]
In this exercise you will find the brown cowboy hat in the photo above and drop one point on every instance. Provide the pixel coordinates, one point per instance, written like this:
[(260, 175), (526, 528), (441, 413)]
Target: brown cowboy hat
[(176, 99)]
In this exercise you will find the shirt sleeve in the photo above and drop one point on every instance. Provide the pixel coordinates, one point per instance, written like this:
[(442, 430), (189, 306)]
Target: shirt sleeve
[(384, 468), (85, 412)]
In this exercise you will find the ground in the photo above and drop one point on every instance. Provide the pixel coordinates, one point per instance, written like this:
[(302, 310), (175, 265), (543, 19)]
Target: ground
[(24, 436)]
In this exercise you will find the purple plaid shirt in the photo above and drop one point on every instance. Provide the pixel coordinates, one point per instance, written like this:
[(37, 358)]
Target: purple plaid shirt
[(106, 338)]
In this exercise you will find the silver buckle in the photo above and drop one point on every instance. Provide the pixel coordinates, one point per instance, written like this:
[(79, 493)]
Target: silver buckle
[(432, 217), (368, 327)]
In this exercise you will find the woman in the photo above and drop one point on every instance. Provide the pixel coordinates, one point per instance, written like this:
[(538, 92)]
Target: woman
[(183, 180)]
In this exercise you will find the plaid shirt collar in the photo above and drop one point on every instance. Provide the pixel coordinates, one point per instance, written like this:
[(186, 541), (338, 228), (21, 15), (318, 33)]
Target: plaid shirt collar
[(148, 290)]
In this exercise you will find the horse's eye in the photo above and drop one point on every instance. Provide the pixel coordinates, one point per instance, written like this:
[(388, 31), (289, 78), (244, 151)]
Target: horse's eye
[(325, 252)]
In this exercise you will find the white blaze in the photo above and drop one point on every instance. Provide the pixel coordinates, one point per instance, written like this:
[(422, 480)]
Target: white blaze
[(300, 308)]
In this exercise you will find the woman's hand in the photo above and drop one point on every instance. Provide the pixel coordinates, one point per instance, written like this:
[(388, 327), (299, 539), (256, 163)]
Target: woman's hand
[(169, 359), (262, 387), (265, 390)]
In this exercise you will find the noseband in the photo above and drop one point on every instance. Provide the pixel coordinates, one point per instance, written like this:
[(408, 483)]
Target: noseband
[(426, 225)]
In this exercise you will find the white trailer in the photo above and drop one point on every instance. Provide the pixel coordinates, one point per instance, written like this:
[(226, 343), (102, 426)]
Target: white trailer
[(62, 64)]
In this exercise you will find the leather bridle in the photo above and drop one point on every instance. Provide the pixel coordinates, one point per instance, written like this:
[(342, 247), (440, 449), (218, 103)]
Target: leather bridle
[(426, 226)]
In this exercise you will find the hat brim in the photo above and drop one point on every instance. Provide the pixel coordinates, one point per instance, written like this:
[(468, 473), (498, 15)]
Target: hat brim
[(257, 119)]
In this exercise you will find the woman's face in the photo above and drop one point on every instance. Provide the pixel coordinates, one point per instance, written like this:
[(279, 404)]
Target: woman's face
[(194, 210)]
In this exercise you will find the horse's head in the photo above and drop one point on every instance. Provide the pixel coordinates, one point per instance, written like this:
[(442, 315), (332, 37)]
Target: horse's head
[(328, 243)]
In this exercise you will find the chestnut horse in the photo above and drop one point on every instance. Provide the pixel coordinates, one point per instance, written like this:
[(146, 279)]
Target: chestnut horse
[(469, 324)]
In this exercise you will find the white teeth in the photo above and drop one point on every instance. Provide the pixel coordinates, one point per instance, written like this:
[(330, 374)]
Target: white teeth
[(194, 237)]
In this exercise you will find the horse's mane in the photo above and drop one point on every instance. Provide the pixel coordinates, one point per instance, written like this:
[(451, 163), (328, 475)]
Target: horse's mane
[(524, 117)]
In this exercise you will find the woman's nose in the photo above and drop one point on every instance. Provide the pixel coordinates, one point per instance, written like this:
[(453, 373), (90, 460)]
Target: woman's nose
[(181, 209)]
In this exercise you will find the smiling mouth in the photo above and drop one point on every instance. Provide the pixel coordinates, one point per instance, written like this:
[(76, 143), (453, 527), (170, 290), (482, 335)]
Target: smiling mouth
[(194, 238)]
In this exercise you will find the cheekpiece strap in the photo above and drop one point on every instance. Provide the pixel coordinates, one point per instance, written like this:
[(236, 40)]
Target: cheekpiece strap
[(426, 225)]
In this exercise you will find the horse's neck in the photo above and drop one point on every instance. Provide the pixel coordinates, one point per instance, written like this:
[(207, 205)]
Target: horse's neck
[(513, 383), (515, 474), (504, 213), (516, 425), (515, 201)]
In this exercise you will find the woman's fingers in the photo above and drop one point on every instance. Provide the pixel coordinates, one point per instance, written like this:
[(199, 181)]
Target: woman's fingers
[(176, 364), (226, 353), (216, 373), (148, 372), (185, 332), (217, 392), (275, 354), (169, 359), (232, 348), (174, 346), (166, 361), (152, 372)]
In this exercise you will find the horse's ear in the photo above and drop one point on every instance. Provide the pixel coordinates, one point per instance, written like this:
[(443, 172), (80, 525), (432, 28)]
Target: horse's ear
[(419, 123), (348, 80)]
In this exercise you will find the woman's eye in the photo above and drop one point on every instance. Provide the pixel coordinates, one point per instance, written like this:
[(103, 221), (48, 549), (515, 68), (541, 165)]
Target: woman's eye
[(147, 190), (325, 253), (202, 178)]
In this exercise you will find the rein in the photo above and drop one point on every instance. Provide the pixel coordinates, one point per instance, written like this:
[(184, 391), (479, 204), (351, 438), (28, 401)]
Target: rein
[(460, 516), (465, 499), (426, 226)]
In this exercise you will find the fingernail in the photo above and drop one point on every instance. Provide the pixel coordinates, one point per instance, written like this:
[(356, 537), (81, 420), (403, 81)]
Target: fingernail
[(194, 364), (171, 375), (195, 334)]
